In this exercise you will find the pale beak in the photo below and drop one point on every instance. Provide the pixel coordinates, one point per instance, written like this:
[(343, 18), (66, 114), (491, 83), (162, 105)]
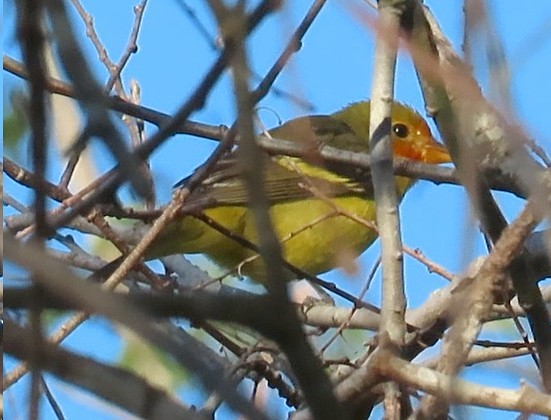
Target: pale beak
[(435, 153)]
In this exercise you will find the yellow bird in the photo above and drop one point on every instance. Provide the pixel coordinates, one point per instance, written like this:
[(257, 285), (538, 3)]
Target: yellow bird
[(308, 203)]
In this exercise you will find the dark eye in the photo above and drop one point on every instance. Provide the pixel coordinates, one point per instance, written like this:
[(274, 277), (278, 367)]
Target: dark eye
[(401, 130)]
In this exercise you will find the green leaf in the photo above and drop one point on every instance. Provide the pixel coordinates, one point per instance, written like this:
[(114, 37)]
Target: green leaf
[(151, 364), (15, 120)]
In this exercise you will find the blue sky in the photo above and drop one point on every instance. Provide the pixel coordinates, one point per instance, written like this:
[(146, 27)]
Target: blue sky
[(332, 69)]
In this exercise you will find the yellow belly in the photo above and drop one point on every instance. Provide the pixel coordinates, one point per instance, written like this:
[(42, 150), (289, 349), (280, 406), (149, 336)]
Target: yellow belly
[(311, 233)]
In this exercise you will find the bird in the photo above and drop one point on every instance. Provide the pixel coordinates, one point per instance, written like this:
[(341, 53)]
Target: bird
[(316, 213)]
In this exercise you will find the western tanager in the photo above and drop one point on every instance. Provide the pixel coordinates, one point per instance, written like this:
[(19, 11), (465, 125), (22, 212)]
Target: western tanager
[(305, 198)]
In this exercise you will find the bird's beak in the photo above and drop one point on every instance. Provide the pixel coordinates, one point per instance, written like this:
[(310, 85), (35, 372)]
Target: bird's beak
[(434, 152), (425, 149)]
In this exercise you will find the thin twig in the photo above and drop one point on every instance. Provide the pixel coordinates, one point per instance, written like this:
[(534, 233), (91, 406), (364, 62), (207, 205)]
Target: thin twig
[(116, 277), (476, 301), (131, 47)]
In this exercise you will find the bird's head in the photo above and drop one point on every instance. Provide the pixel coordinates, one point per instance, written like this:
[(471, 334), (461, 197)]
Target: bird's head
[(411, 136)]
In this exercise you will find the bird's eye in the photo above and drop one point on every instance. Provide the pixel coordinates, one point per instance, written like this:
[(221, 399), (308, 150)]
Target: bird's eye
[(401, 130)]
